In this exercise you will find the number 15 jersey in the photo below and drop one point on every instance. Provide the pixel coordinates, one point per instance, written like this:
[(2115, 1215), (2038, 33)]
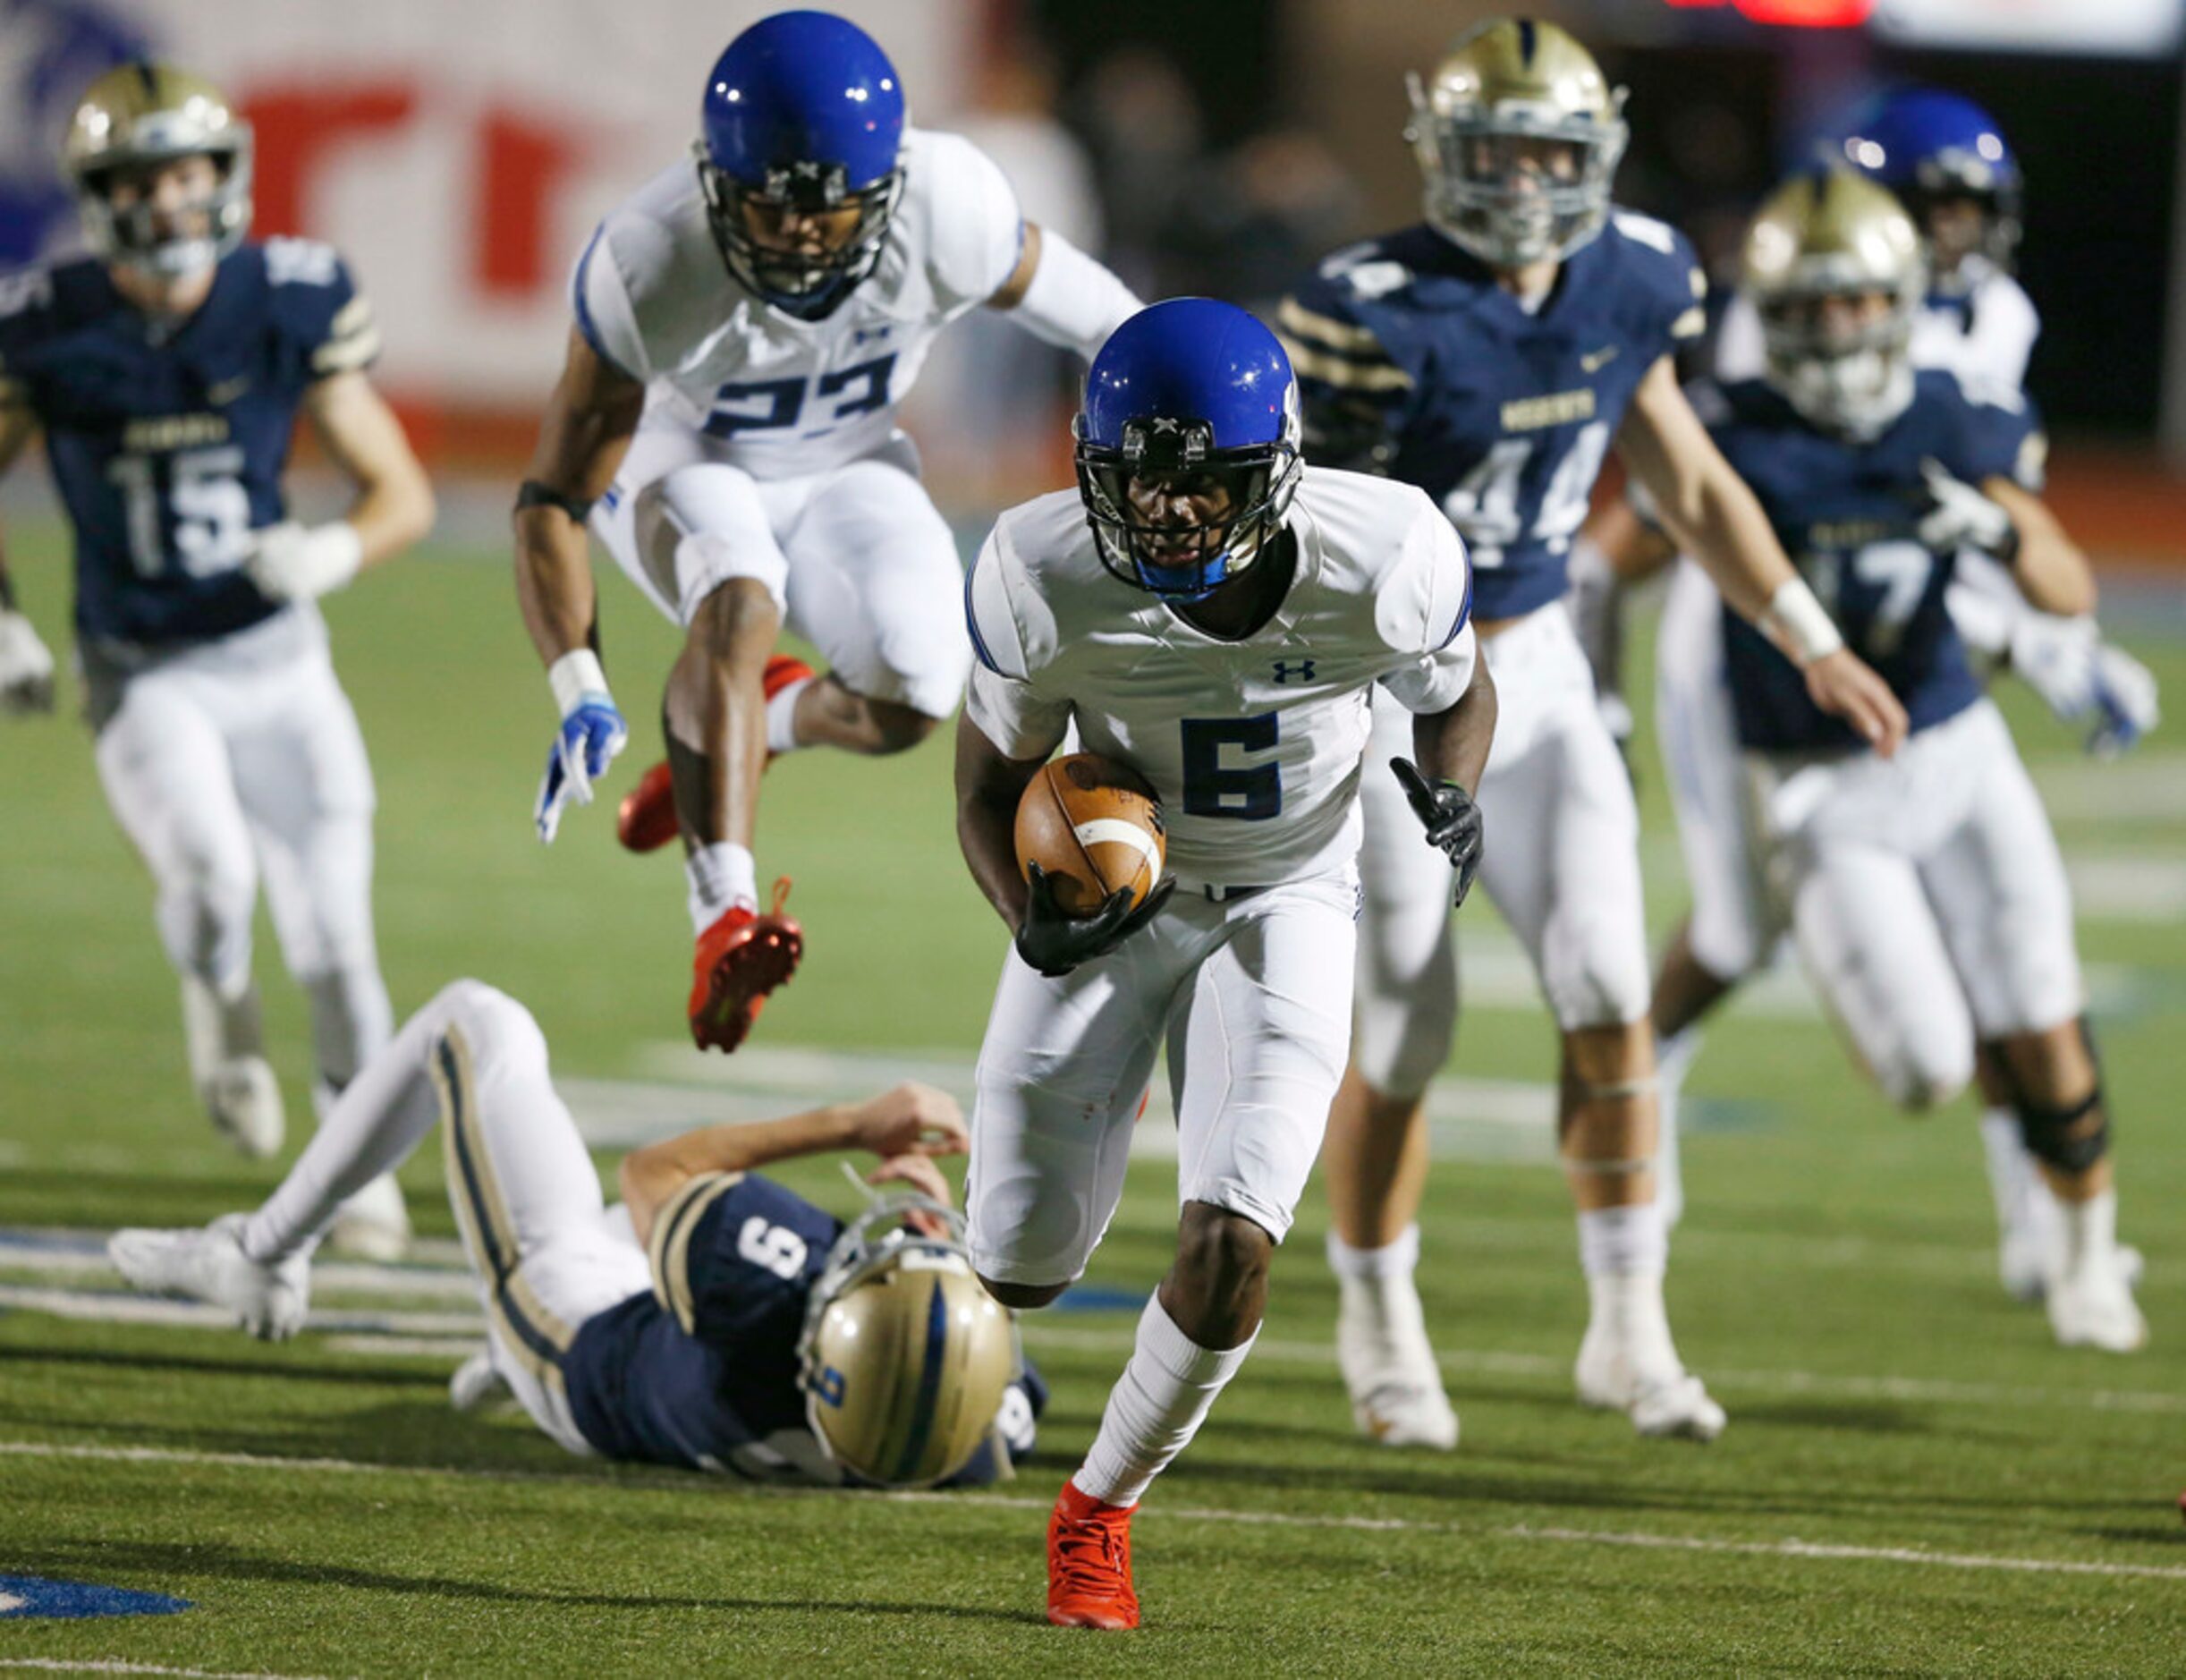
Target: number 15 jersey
[(1410, 356), (167, 440), (1253, 745), (778, 396)]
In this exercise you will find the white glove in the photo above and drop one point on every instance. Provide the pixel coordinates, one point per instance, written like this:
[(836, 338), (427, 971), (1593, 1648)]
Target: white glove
[(2078, 676), (26, 666), (1965, 518), (297, 563)]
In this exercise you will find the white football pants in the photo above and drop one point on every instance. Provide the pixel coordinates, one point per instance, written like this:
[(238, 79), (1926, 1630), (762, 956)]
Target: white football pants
[(547, 1252), (1560, 859), (1928, 897), (1252, 996), (239, 759), (858, 559)]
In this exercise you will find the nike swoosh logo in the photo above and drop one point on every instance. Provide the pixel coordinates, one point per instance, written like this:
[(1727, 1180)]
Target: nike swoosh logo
[(1600, 359), (227, 390)]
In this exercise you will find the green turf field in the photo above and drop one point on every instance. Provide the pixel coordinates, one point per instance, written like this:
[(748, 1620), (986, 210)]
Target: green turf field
[(1914, 1479)]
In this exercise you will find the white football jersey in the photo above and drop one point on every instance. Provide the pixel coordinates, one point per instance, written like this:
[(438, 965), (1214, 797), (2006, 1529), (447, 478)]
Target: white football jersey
[(773, 394), (1254, 746), (1985, 336)]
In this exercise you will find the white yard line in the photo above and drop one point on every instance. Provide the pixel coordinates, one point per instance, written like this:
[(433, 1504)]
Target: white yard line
[(1788, 1548), (109, 1665)]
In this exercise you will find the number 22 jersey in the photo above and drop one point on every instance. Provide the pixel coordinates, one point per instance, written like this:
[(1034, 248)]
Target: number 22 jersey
[(167, 440)]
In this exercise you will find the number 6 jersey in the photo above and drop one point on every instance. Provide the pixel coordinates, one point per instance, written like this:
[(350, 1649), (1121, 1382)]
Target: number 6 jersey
[(1253, 745), (778, 396), (167, 440)]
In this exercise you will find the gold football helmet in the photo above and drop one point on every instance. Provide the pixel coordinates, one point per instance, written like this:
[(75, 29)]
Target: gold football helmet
[(1518, 136), (905, 1356), (140, 116), (1834, 265)]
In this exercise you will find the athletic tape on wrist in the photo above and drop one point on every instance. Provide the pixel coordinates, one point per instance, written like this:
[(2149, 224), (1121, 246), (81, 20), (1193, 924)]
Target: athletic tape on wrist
[(575, 675), (1799, 624)]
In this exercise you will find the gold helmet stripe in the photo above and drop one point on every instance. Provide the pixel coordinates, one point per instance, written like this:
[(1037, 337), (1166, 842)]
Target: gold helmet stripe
[(927, 1403)]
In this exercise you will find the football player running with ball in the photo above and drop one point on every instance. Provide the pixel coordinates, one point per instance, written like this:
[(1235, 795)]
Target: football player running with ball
[(746, 326), (167, 370), (1927, 893), (726, 1324), (1211, 613), (1491, 356)]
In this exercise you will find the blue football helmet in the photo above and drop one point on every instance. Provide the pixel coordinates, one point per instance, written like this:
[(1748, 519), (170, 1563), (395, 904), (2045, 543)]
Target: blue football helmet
[(1926, 146), (803, 121), (1188, 401)]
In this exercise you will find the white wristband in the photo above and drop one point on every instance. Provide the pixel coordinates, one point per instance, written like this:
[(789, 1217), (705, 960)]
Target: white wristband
[(1799, 625), (573, 677)]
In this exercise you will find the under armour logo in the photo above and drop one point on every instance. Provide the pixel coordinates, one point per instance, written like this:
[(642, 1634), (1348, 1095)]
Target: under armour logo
[(1284, 670)]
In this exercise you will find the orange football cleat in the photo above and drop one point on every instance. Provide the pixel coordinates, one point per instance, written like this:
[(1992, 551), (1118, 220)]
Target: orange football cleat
[(1089, 1563), (740, 958), (645, 821)]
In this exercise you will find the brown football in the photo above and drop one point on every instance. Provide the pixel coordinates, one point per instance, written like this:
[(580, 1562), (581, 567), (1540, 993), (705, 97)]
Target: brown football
[(1095, 827)]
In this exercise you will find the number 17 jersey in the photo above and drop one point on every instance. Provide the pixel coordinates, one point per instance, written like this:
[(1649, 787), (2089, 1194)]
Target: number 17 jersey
[(1410, 356)]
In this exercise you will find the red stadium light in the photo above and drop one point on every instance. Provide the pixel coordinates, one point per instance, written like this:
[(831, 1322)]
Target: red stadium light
[(1807, 14)]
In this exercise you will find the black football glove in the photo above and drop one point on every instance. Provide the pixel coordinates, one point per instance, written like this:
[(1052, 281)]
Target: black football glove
[(1054, 944), (1451, 820)]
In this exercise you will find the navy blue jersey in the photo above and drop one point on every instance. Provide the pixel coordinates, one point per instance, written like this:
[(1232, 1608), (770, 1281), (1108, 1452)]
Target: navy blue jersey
[(167, 443), (1848, 514), (1412, 360), (700, 1372)]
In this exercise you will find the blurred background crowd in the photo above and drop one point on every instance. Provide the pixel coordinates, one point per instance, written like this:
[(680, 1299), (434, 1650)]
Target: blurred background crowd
[(460, 154)]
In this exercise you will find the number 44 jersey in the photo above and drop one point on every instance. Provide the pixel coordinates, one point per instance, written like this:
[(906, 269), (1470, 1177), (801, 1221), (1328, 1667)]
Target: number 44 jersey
[(167, 440), (1412, 360), (1254, 744)]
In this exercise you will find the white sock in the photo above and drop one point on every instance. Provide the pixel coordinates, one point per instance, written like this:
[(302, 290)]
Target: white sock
[(722, 877), (2090, 1228), (2010, 1170), (1629, 1241), (369, 1129), (1155, 1407), (1672, 1057), (1397, 1258), (782, 717)]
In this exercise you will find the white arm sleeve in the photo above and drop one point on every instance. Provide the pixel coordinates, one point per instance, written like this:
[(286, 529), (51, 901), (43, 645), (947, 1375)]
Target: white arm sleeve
[(975, 233), (1073, 302), (600, 297), (1427, 613), (1004, 700)]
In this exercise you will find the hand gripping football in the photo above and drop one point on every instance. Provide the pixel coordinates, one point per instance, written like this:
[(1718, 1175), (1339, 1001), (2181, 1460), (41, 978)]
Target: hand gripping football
[(1095, 827)]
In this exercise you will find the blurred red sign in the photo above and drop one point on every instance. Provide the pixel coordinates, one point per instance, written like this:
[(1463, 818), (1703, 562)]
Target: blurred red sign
[(1809, 14)]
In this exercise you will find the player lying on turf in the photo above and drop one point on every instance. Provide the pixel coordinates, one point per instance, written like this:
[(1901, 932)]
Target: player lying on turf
[(167, 370), (744, 1329), (1491, 355), (746, 326), (1214, 614), (1951, 168), (1925, 893)]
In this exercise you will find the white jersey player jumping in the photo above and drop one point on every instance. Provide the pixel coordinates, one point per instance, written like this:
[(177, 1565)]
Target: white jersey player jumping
[(1947, 161), (746, 326), (1218, 616)]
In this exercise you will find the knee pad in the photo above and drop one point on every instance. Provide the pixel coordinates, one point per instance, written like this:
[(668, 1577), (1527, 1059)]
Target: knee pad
[(2072, 1138), (719, 531), (204, 915), (1405, 1019), (1917, 1080)]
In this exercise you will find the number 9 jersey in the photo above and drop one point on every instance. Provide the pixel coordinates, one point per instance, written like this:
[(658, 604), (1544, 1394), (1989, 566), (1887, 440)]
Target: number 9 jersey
[(167, 443), (1413, 361)]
